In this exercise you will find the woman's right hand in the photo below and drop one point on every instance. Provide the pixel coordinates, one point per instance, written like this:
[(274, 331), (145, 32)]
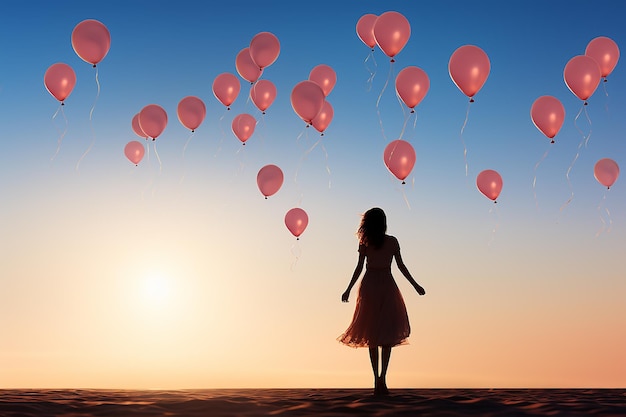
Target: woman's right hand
[(345, 296)]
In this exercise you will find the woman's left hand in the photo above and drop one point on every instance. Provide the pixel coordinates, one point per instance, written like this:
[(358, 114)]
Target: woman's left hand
[(419, 289)]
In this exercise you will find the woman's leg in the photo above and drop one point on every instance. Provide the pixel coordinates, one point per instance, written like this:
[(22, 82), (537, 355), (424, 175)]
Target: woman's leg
[(385, 356), (374, 361)]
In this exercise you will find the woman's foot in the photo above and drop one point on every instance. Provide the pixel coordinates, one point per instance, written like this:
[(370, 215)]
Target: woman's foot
[(382, 387)]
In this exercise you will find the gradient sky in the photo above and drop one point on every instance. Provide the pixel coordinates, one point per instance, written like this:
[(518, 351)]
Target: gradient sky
[(177, 273)]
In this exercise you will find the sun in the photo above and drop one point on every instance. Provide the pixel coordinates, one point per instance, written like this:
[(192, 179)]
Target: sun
[(156, 288)]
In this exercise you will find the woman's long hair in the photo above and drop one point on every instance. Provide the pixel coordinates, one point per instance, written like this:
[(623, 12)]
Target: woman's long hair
[(373, 228)]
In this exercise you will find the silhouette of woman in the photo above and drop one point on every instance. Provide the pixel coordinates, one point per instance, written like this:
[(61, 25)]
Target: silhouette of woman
[(380, 318)]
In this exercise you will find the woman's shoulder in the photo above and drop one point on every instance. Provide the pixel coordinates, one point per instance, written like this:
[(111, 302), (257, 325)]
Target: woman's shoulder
[(391, 238), (393, 241)]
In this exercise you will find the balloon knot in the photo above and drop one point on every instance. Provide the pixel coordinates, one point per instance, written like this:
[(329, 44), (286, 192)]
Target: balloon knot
[(298, 238), (322, 134), (403, 182), (192, 130), (263, 113), (471, 99), (266, 197), (228, 108), (94, 65), (495, 202), (605, 79), (585, 103), (412, 110), (552, 141), (393, 60), (62, 104), (307, 125)]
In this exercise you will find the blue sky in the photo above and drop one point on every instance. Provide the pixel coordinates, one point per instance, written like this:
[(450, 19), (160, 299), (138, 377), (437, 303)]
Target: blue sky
[(70, 228)]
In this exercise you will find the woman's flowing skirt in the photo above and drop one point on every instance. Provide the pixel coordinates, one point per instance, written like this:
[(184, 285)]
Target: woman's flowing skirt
[(380, 317)]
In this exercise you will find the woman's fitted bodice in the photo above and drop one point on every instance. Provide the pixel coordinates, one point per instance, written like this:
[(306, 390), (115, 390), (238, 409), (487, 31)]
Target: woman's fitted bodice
[(381, 258)]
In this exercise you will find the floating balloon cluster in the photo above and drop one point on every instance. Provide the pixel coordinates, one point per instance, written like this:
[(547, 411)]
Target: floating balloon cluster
[(469, 67), (91, 41), (582, 75)]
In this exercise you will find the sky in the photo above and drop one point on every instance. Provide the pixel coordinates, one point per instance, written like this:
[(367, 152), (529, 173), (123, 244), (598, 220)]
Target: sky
[(178, 273)]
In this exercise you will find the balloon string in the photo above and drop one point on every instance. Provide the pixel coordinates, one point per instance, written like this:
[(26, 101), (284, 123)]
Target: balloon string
[(186, 144), (93, 132), (602, 207), (372, 72), (261, 130), (219, 145), (380, 120), (404, 196), (535, 177), (298, 139), (606, 94), (61, 133), (97, 96), (296, 252), (327, 166), (182, 178), (319, 142), (584, 140), (157, 157), (590, 125), (494, 212), (408, 117), (241, 154), (463, 140)]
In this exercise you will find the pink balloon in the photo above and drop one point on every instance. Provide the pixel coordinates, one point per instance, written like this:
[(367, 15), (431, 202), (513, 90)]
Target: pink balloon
[(137, 128), (391, 31), (606, 53), (365, 29), (412, 84), (191, 112), (243, 126), (263, 93), (469, 68), (323, 118), (582, 75), (226, 88), (548, 114), (246, 67), (489, 182), (91, 41), (59, 80), (325, 77), (606, 172), (264, 49), (269, 180), (152, 120), (296, 221), (134, 151), (399, 158), (307, 99)]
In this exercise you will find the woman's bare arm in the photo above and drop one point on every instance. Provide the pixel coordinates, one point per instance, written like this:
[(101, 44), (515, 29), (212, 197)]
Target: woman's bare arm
[(355, 275), (405, 271)]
